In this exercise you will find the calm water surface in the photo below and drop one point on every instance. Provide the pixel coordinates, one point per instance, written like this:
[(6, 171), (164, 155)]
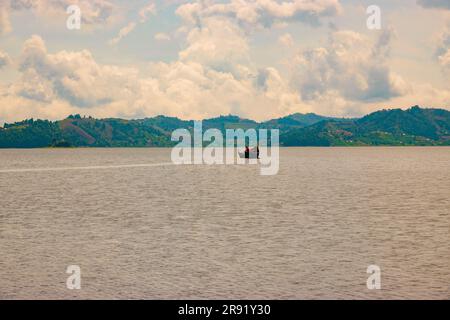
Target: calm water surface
[(192, 232)]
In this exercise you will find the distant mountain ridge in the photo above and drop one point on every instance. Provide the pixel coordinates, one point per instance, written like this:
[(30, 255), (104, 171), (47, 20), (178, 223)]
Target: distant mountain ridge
[(415, 126), (396, 127), (298, 120)]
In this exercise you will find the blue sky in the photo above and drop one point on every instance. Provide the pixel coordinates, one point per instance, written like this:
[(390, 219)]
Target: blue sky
[(194, 59)]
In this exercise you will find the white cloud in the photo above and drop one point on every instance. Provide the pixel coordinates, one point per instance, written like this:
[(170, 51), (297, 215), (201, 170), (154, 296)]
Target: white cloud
[(218, 43), (216, 72), (94, 12), (146, 12), (350, 65), (162, 37), (144, 15), (443, 50), (444, 59), (196, 91), (5, 23), (4, 59), (72, 76), (57, 84), (286, 40), (261, 13), (123, 33)]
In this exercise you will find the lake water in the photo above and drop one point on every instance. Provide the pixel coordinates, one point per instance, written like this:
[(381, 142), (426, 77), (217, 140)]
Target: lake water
[(188, 232)]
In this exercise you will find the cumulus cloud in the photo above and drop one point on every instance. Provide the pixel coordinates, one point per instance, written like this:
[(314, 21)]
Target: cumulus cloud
[(162, 36), (215, 72), (4, 59), (57, 84), (218, 43), (5, 23), (217, 32), (260, 13), (72, 76), (350, 65), (123, 33), (144, 15), (196, 91), (94, 12), (444, 59), (286, 40), (146, 12), (444, 4), (443, 50)]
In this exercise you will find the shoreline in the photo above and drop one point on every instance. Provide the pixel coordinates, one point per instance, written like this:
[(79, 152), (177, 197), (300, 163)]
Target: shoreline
[(281, 147)]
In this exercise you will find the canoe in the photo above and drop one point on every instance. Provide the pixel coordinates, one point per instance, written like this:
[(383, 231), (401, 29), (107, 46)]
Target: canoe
[(251, 155)]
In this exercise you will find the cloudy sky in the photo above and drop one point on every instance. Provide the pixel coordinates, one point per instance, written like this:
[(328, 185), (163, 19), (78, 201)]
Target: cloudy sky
[(194, 59)]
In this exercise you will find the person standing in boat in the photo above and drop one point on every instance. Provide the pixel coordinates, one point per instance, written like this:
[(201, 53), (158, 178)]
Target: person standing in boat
[(247, 152)]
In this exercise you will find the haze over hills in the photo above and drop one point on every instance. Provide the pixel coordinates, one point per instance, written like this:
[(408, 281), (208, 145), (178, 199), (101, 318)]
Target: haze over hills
[(415, 126)]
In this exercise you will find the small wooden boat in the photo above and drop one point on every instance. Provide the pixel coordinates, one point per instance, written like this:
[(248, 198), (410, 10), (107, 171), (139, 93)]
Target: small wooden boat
[(251, 155)]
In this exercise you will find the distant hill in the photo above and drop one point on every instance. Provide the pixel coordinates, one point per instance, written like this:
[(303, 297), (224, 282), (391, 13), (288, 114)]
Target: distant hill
[(297, 120), (415, 126)]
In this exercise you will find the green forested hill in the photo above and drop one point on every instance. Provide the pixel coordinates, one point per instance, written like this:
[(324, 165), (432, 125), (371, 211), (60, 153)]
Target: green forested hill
[(415, 126)]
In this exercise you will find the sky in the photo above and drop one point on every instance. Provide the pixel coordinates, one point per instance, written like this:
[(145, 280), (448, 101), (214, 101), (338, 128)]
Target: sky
[(258, 59)]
